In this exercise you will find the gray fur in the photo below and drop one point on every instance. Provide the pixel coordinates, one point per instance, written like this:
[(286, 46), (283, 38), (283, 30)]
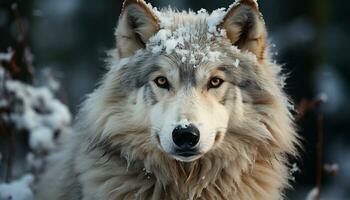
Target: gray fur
[(149, 95), (136, 74)]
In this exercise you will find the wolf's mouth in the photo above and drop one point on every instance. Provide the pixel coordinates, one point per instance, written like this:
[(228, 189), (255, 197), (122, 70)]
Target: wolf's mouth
[(187, 157), (187, 154)]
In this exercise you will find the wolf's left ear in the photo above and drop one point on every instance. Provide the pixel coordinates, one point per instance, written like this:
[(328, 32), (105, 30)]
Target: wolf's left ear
[(137, 23), (245, 27)]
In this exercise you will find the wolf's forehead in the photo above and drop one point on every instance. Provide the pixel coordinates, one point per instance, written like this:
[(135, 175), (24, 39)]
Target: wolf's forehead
[(189, 37)]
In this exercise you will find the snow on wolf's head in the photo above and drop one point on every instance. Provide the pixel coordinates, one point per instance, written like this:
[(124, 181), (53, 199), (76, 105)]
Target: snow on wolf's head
[(185, 84)]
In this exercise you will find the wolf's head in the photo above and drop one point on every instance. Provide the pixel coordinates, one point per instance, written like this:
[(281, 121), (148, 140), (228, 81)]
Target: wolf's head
[(189, 83)]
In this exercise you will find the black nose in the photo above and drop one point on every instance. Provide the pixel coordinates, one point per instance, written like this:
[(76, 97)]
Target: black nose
[(186, 137)]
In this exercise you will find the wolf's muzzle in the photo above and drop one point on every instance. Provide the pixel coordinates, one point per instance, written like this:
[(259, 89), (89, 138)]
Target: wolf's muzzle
[(186, 139)]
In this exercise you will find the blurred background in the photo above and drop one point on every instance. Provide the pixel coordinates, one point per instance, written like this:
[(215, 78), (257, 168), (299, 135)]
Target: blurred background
[(68, 40)]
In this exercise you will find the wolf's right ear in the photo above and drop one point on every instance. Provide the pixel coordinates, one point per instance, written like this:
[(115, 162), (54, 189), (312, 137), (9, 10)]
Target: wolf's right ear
[(137, 23)]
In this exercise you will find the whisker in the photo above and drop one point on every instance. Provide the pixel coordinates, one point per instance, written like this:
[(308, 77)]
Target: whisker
[(155, 128)]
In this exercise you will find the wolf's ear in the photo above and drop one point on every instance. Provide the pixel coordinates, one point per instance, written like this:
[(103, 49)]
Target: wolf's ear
[(137, 23), (245, 27)]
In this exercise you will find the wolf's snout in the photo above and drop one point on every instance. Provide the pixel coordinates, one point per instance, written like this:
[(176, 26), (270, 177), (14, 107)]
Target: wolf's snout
[(186, 137)]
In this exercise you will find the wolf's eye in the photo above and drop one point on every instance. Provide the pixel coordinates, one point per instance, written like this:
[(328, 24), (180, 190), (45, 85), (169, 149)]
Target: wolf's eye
[(215, 82), (162, 82)]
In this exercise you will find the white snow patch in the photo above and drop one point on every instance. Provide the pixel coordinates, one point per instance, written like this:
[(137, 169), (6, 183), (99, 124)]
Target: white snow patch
[(215, 19), (18, 190), (214, 56), (42, 139), (38, 112), (202, 11), (7, 56), (184, 123), (192, 59), (283, 80), (294, 169), (236, 63), (223, 33), (34, 163), (169, 42)]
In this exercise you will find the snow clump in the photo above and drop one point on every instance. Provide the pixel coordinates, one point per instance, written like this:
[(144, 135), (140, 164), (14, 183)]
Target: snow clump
[(18, 190)]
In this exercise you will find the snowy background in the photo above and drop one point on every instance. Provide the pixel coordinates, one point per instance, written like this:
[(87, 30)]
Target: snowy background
[(56, 57)]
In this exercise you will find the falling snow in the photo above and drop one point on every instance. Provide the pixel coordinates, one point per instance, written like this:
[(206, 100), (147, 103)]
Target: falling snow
[(313, 194)]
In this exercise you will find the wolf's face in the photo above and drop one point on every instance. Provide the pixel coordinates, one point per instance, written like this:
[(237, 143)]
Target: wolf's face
[(191, 78), (188, 114)]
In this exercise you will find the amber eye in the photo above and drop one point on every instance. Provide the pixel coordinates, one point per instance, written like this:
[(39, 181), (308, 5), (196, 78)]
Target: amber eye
[(162, 82), (215, 82)]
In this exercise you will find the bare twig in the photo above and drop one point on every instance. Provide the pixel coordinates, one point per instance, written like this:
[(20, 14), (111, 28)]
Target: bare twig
[(20, 27), (25, 52), (21, 67), (306, 105), (331, 169), (7, 130), (10, 155), (319, 151)]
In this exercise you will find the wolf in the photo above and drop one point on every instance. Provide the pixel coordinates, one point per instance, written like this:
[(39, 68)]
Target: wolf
[(191, 107)]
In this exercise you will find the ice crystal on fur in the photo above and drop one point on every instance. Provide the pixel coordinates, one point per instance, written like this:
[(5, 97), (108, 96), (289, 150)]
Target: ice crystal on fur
[(184, 123), (175, 40), (236, 63), (214, 56), (294, 169), (215, 19)]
